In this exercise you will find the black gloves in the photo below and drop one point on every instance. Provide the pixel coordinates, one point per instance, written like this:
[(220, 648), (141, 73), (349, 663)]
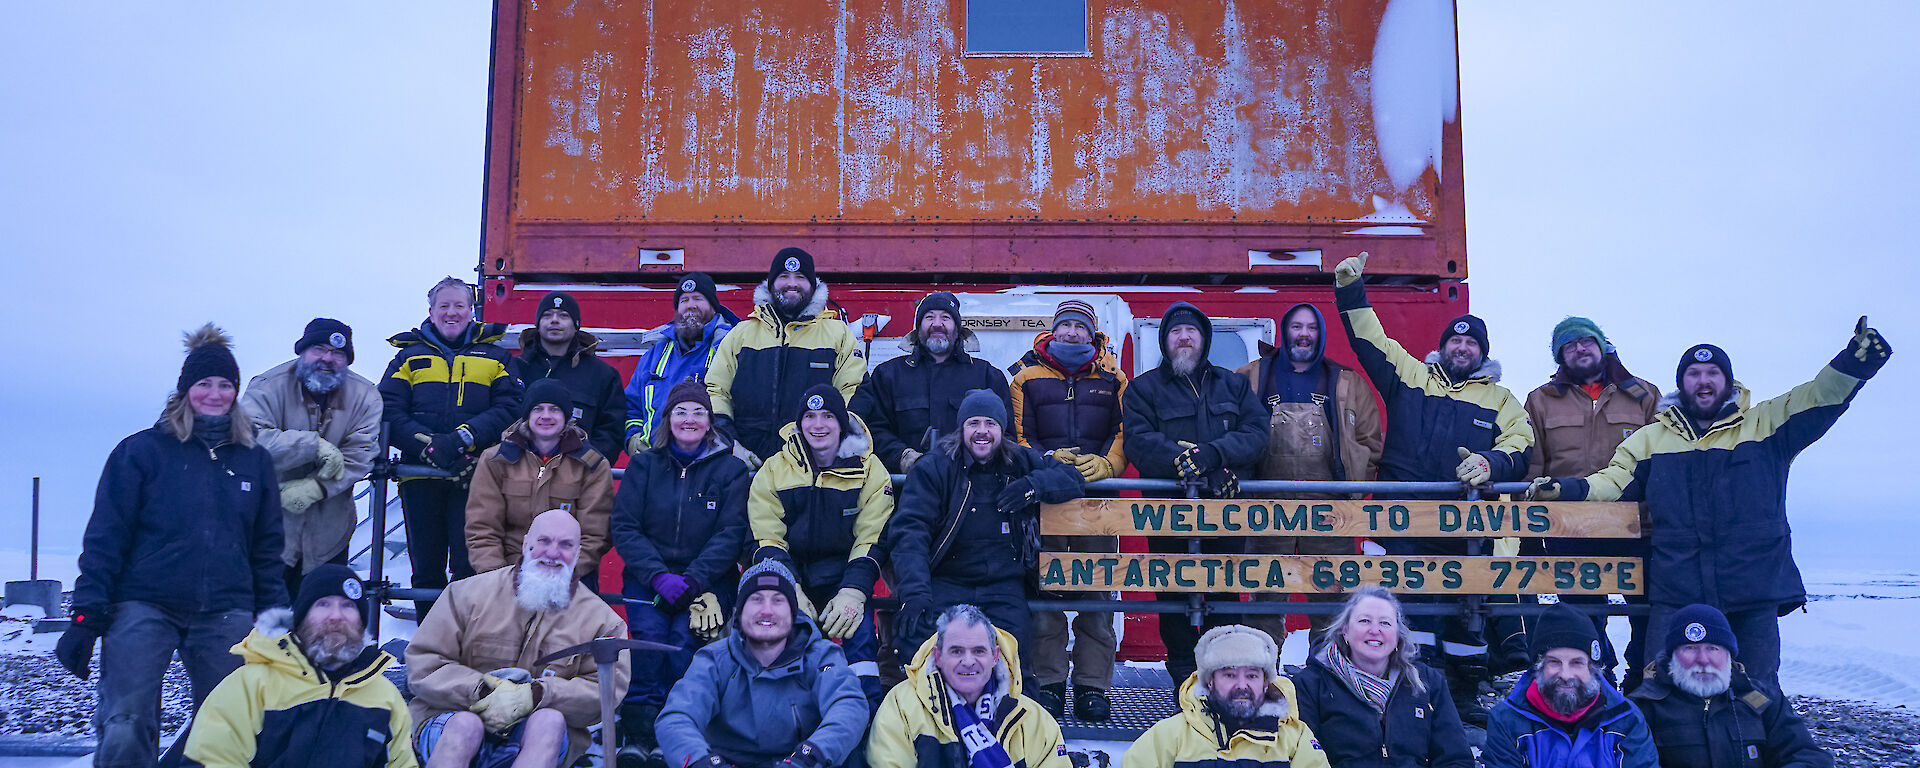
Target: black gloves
[(1194, 463), (75, 649), (447, 451), (807, 756), (1867, 345), (1018, 495), (1222, 484)]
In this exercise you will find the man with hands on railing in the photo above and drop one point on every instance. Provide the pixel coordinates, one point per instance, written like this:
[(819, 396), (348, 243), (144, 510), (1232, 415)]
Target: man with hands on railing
[(1713, 473)]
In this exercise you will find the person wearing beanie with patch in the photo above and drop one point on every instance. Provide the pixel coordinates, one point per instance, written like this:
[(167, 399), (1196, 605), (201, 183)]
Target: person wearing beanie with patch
[(309, 682), (679, 351), (962, 705), (1448, 420), (1195, 422), (1066, 394), (555, 348), (968, 526), (819, 507), (1580, 416), (910, 401), (1235, 709), (790, 344), (1322, 424), (1706, 712), (772, 693), (1563, 713), (320, 420), (172, 497), (680, 526), (1712, 472), (544, 462), (481, 691), (448, 395)]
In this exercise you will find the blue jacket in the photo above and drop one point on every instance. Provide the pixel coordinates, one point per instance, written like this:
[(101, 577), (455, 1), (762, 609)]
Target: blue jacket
[(727, 704), (665, 365), (1613, 734), (184, 526)]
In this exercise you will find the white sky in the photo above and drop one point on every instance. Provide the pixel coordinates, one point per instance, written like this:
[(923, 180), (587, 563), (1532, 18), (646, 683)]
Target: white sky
[(1740, 173)]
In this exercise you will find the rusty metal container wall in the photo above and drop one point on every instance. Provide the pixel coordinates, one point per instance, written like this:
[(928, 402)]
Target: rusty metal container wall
[(727, 127)]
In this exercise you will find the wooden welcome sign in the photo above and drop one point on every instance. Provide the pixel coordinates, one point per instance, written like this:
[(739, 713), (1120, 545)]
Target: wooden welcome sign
[(1379, 519)]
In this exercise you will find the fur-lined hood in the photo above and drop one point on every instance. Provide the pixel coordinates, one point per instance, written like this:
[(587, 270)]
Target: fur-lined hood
[(584, 344), (931, 691), (1489, 370), (856, 444), (272, 644), (1672, 414), (763, 303), (1280, 704)]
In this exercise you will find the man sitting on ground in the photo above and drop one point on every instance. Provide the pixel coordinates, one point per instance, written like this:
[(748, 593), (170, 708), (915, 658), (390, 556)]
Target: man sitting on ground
[(961, 705), (1234, 710), (1704, 711), (1561, 714)]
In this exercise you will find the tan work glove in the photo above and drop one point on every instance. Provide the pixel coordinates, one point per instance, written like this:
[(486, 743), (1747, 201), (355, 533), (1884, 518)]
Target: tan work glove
[(842, 615), (333, 465), (1347, 272), (740, 452), (637, 444), (704, 616), (1543, 489), (297, 496), (1474, 468), (1064, 455), (1506, 546), (1093, 467), (805, 606), (907, 458), (507, 705)]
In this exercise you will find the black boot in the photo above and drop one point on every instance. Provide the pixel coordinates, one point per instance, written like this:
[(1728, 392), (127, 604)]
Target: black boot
[(1463, 683), (638, 749), (1052, 698), (1091, 705)]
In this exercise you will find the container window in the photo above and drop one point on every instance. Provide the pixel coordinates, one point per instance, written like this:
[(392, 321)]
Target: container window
[(1027, 28)]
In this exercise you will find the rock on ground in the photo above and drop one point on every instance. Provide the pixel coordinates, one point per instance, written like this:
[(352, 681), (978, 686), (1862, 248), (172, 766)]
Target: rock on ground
[(38, 696)]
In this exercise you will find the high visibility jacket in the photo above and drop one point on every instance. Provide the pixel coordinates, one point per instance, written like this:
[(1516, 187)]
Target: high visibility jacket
[(664, 365), (1429, 415), (824, 523), (1718, 497), (278, 710), (434, 387), (914, 726), (776, 361), (1195, 738)]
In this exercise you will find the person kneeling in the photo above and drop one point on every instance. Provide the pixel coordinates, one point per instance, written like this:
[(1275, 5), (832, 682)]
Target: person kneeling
[(1705, 711), (772, 693), (1234, 709), (505, 621), (961, 705)]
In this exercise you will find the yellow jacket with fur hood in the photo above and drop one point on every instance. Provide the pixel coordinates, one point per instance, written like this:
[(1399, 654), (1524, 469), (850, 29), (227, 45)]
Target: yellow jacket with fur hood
[(1194, 738), (914, 726)]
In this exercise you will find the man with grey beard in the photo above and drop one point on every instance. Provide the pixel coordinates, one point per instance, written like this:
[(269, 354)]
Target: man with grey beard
[(911, 401), (311, 691), (1705, 711), (685, 349), (1561, 714), (319, 421), (480, 698)]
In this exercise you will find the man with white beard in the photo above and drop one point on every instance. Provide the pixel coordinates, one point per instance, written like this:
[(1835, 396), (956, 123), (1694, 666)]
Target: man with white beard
[(1561, 714), (479, 697), (319, 420), (310, 692), (1705, 711)]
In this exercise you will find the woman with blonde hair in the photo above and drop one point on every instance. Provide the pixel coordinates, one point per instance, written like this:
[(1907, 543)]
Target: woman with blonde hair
[(1369, 700)]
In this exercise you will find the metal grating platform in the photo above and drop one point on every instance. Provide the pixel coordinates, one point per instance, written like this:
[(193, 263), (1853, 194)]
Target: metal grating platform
[(1141, 697)]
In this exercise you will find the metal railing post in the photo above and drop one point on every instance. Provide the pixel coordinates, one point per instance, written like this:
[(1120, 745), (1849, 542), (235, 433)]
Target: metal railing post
[(378, 474)]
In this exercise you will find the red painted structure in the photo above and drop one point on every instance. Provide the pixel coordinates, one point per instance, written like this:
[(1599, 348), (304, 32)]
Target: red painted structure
[(1184, 155)]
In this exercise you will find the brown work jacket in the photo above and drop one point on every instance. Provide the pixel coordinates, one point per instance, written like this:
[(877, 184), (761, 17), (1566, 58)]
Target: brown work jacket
[(1575, 435), (1355, 418), (512, 485)]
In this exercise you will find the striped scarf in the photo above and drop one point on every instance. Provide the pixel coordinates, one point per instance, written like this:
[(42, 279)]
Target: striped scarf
[(1372, 690)]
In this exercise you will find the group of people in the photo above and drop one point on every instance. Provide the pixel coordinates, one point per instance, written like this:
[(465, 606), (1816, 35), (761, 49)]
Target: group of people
[(745, 507)]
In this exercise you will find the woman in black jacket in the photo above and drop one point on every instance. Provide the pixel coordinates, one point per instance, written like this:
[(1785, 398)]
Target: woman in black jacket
[(680, 526), (1369, 702), (182, 551)]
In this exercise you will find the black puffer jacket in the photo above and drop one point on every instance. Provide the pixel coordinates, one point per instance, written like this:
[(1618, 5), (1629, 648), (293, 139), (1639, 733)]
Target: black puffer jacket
[(910, 400), (1749, 725), (939, 492), (599, 398), (434, 387), (184, 526), (1418, 729), (684, 518), (1213, 407)]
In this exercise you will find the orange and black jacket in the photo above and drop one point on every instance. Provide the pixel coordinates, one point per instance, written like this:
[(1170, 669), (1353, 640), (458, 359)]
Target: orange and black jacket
[(434, 387), (1054, 408)]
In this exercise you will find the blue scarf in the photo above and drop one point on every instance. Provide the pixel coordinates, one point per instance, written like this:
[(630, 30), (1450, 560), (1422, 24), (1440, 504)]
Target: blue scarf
[(974, 725)]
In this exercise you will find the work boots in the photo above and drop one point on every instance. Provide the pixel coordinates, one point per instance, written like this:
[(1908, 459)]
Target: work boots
[(638, 747), (1091, 705), (1052, 698)]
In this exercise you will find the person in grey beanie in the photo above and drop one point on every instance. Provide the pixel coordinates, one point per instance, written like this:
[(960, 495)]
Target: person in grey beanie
[(967, 529)]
